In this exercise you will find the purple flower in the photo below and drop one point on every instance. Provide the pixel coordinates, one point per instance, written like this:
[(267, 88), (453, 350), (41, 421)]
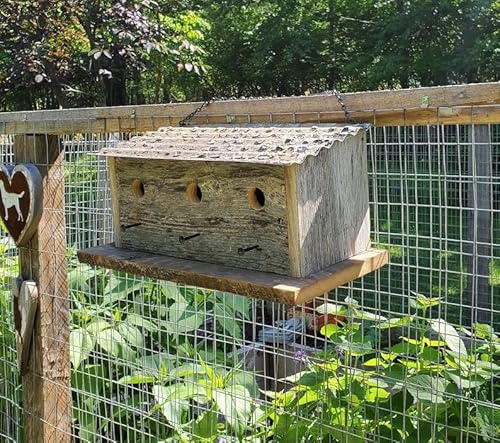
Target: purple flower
[(300, 356)]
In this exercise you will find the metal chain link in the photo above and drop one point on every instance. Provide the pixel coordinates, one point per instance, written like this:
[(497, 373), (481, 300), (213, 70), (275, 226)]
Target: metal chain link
[(335, 93), (213, 96), (185, 121), (332, 92)]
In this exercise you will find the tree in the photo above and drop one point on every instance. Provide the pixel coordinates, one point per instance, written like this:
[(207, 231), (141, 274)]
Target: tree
[(77, 52)]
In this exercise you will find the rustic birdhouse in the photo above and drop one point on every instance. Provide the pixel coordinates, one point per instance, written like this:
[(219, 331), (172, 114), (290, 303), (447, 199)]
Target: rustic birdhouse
[(289, 200)]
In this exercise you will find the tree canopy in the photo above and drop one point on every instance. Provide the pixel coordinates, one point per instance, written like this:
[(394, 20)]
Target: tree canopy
[(67, 53)]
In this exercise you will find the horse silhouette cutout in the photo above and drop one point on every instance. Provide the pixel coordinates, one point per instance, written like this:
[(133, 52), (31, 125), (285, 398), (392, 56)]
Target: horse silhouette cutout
[(11, 200)]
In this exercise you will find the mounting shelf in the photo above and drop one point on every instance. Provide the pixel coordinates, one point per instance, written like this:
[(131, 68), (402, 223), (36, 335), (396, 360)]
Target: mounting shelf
[(263, 285)]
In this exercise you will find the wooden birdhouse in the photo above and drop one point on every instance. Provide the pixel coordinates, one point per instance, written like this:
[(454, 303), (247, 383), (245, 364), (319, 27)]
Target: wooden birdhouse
[(287, 200)]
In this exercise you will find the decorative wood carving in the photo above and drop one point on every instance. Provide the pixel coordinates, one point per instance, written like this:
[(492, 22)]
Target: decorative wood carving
[(20, 200), (25, 299)]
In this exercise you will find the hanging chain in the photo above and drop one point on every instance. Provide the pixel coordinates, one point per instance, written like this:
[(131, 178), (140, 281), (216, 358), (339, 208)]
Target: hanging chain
[(335, 93), (212, 97), (185, 121)]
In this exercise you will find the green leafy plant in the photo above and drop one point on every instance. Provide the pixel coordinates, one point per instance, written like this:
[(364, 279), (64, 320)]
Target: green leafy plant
[(430, 386), (122, 324)]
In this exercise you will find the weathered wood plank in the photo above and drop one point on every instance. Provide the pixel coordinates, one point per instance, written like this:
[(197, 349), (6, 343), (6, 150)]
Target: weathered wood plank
[(283, 289), (221, 224), (333, 211), (406, 106), (115, 201), (46, 385)]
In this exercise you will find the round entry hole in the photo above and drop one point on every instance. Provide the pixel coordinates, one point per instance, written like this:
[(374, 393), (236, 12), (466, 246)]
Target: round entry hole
[(256, 198), (194, 193), (138, 188)]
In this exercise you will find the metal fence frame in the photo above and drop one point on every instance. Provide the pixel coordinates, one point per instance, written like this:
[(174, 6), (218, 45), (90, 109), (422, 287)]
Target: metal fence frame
[(435, 205)]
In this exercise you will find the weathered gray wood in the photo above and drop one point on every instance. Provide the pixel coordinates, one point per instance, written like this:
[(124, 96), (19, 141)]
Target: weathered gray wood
[(479, 296), (115, 200), (331, 191), (25, 297), (223, 222), (389, 108), (268, 286), (46, 384)]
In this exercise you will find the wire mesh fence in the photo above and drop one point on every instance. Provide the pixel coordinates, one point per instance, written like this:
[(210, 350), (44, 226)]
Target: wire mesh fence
[(409, 353)]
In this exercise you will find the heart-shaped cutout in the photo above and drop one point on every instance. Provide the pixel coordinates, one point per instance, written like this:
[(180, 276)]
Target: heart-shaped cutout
[(20, 200)]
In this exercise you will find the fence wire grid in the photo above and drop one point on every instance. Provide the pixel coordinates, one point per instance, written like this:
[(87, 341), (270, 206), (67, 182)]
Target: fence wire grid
[(408, 353)]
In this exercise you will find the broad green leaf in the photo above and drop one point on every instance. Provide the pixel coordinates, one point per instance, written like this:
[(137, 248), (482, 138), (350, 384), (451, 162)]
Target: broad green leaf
[(427, 388), (484, 331), (189, 323), (426, 341), (131, 334), (470, 382), (226, 320), (376, 383), (206, 426), (405, 348), (450, 335), (329, 329), (331, 308), (235, 404), (155, 363), (97, 326), (357, 348), (365, 315), (114, 344), (245, 379), (376, 362), (90, 379), (420, 301), (395, 322), (173, 401), (430, 355), (177, 309), (488, 419), (235, 303), (81, 344), (376, 394), (86, 424), (120, 287), (137, 379), (308, 397), (313, 378), (183, 371), (80, 278), (141, 322)]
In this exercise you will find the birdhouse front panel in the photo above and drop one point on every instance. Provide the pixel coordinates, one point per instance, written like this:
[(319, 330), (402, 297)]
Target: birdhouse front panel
[(284, 199), (226, 213)]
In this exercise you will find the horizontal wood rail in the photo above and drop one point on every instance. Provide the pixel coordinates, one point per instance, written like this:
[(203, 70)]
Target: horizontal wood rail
[(461, 104)]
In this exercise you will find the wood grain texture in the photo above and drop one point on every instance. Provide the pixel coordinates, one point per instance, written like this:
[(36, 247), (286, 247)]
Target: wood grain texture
[(267, 286), (332, 198), (223, 222), (115, 201), (46, 385), (25, 301), (383, 108), (292, 208)]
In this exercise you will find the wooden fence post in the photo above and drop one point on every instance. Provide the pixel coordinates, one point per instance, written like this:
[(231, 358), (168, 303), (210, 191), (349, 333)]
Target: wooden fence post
[(479, 208), (46, 386)]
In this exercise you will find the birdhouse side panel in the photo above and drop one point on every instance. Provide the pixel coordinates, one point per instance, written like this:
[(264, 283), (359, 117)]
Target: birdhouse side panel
[(225, 213), (331, 204)]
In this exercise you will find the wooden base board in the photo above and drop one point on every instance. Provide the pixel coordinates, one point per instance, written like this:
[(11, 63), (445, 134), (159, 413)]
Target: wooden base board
[(280, 288)]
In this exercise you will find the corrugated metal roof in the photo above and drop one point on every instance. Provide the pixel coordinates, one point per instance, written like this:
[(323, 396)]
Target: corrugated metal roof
[(266, 144)]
